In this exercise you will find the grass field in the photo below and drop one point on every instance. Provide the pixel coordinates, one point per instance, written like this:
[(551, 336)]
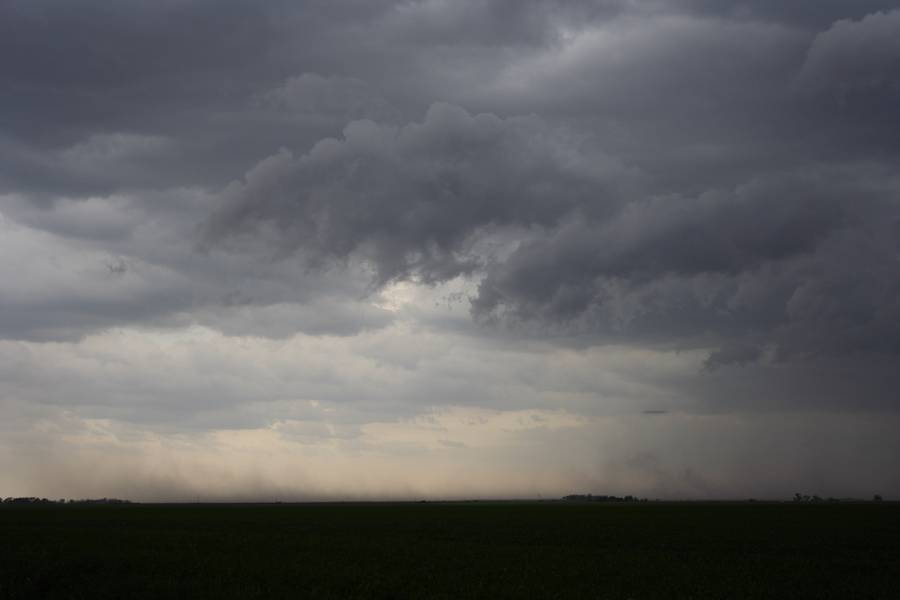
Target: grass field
[(452, 550)]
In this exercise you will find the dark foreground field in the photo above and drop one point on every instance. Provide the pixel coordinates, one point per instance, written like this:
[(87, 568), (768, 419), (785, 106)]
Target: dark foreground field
[(463, 550)]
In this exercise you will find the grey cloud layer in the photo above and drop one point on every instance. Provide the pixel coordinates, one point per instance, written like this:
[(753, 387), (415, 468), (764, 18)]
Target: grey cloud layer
[(410, 198), (686, 170), (449, 247), (707, 177), (791, 247)]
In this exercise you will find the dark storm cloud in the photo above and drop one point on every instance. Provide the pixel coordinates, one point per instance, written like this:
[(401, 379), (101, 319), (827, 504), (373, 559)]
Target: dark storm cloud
[(410, 198), (690, 174), (182, 71), (805, 262), (791, 245), (71, 67), (811, 14), (327, 241)]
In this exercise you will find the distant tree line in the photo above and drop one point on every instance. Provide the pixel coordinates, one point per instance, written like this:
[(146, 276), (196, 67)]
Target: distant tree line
[(34, 500), (814, 499), (593, 498), (798, 498)]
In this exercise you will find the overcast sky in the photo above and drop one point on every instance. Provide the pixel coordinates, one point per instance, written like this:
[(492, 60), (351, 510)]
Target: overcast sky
[(449, 248)]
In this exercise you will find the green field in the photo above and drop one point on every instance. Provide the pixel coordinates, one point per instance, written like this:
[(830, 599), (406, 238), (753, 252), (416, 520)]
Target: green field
[(452, 550)]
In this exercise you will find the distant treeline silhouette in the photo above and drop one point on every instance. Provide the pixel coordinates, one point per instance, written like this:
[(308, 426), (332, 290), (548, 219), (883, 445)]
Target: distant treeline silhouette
[(805, 498), (34, 500), (799, 498), (593, 498)]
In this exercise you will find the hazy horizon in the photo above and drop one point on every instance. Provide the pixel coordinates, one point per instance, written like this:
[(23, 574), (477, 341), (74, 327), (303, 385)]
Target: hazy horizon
[(449, 249)]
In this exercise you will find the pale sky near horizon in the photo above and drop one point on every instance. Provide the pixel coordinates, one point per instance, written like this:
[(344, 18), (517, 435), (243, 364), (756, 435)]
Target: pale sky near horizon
[(348, 249)]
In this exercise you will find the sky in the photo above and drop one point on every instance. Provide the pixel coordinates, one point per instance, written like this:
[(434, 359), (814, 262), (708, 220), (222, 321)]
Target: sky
[(403, 249)]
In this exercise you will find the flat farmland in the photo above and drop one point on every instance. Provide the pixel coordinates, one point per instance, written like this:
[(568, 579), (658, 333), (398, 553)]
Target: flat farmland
[(452, 550)]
